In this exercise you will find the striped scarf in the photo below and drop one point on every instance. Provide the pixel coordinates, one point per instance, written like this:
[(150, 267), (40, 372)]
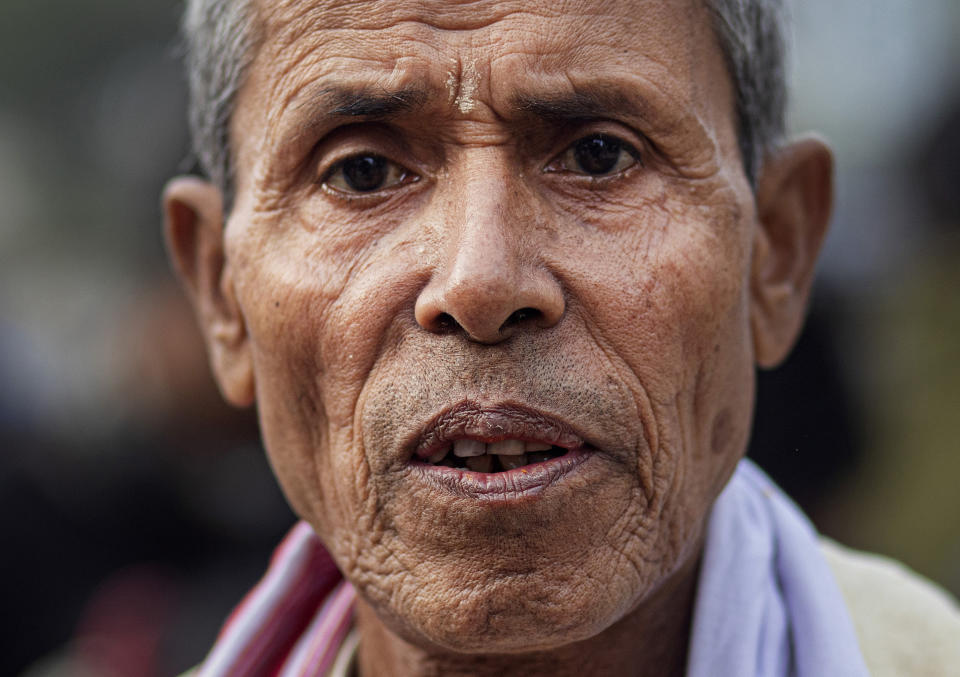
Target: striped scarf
[(293, 622)]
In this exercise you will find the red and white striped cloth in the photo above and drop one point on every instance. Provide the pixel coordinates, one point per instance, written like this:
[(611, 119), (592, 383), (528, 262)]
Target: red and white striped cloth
[(293, 623)]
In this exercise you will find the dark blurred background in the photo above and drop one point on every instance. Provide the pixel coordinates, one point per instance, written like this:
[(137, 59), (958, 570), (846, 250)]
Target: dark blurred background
[(136, 508)]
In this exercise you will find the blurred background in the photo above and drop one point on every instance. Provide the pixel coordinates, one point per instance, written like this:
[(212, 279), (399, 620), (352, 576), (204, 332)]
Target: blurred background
[(136, 508)]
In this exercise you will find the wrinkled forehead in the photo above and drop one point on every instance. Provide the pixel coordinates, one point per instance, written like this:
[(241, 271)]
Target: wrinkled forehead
[(290, 18), (480, 60), (481, 50)]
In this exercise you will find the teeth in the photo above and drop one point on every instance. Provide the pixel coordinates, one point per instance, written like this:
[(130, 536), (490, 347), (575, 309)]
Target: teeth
[(509, 462), (503, 455), (439, 455), (537, 446), (506, 448), (539, 456), (469, 448), (482, 463)]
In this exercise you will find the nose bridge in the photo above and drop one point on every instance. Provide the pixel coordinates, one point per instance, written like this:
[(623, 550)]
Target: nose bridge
[(490, 281), (485, 249)]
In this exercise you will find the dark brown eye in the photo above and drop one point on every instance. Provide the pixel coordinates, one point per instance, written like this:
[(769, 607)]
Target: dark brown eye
[(365, 173), (598, 155)]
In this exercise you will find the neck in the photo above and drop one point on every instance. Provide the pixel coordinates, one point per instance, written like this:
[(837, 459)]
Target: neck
[(650, 641)]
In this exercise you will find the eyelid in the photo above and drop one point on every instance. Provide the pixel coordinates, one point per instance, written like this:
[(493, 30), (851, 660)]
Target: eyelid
[(629, 147), (397, 175), (356, 139)]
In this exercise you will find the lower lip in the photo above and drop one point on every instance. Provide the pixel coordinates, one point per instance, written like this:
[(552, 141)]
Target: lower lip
[(514, 484)]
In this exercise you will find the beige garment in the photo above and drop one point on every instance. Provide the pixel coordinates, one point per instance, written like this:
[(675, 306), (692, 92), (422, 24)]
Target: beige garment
[(907, 626)]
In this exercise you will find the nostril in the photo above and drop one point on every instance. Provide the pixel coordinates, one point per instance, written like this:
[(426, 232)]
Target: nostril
[(520, 316), (445, 322)]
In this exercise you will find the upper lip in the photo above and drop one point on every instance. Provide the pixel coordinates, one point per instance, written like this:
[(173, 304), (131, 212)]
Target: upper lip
[(493, 423)]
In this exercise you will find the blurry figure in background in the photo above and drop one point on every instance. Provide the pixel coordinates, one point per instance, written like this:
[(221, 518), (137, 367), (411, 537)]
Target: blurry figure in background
[(157, 521)]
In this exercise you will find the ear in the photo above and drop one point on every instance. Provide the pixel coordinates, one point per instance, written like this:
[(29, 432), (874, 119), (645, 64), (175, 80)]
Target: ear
[(794, 200), (193, 229)]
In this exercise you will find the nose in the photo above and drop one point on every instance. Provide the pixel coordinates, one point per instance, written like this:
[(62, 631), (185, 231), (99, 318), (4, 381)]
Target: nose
[(490, 283)]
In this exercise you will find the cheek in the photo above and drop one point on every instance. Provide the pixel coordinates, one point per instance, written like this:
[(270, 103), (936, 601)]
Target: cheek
[(316, 326), (668, 298)]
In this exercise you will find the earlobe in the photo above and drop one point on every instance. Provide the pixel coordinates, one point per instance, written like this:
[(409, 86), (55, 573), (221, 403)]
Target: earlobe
[(794, 200), (193, 229)]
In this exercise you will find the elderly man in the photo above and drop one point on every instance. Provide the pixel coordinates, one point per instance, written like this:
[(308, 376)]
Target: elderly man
[(497, 276)]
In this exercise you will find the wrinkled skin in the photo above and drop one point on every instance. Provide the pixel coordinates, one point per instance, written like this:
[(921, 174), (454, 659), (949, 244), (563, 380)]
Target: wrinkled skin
[(352, 319)]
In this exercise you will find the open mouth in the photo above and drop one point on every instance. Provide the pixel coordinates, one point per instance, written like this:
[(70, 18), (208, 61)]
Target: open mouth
[(500, 452), (493, 457)]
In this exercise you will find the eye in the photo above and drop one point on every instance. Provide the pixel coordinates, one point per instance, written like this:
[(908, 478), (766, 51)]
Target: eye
[(597, 155), (366, 173)]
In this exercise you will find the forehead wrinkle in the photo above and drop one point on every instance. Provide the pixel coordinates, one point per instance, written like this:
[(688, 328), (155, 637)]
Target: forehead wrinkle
[(307, 91), (289, 31), (306, 65), (375, 14), (316, 105), (288, 22)]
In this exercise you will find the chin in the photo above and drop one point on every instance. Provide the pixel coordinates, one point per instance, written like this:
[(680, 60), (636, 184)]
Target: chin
[(498, 623)]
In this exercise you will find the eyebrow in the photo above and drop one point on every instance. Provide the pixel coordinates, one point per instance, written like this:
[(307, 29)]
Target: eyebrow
[(372, 104), (380, 104), (582, 105)]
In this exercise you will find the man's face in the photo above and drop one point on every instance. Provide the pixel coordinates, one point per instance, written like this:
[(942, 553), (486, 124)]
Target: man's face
[(504, 222)]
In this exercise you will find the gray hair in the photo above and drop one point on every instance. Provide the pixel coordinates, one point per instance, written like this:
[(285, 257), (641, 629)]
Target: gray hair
[(752, 36), (220, 40), (221, 36)]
